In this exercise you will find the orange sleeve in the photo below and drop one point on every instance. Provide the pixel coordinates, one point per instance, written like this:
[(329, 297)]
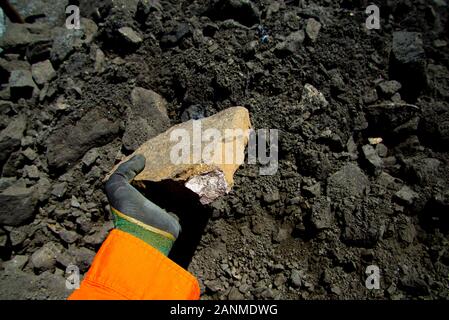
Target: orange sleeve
[(126, 267)]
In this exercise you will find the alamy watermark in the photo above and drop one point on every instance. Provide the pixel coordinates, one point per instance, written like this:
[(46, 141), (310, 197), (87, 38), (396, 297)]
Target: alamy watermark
[(372, 282), (73, 21), (373, 20), (72, 281), (225, 147)]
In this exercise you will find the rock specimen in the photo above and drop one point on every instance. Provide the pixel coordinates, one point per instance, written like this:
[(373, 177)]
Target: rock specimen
[(203, 154)]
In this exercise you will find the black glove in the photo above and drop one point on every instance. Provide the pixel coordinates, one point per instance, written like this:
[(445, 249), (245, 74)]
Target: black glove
[(136, 214)]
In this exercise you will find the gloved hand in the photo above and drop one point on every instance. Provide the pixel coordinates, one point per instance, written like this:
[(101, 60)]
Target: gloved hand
[(137, 215)]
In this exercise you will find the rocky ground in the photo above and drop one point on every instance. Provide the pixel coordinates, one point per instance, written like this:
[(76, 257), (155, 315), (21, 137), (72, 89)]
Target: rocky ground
[(342, 200)]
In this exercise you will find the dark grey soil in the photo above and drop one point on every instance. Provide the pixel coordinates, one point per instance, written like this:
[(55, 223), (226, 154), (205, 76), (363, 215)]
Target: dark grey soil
[(337, 204)]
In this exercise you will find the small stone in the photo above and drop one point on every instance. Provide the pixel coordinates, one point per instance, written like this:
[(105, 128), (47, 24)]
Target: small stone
[(74, 203), (45, 258), (244, 288), (17, 237), (278, 267), (21, 84), (65, 259), (406, 195), (292, 43), (90, 157), (118, 61), (99, 236), (312, 29), (381, 150), (321, 217), (312, 191), (312, 100), (271, 197), (396, 98), (95, 173), (281, 235), (32, 172), (407, 231), (336, 290), (439, 43), (43, 189), (375, 141), (213, 285), (174, 37), (292, 20), (352, 148), (17, 205), (59, 190), (16, 263), (68, 236), (268, 294), (84, 224), (337, 81), (83, 257), (130, 36), (43, 72), (348, 182), (99, 61), (309, 286), (61, 104), (214, 47), (11, 137), (389, 88), (296, 278), (375, 162), (370, 97), (27, 141), (60, 215), (273, 8), (279, 280), (235, 294), (30, 154)]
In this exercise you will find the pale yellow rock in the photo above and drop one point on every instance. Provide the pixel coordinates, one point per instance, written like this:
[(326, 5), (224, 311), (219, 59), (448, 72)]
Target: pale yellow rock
[(210, 170)]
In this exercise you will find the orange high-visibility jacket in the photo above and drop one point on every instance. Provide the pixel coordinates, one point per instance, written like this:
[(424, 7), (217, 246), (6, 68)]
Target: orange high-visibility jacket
[(126, 267)]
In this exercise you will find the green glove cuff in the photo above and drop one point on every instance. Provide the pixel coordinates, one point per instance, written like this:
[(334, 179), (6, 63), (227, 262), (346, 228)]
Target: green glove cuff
[(161, 240)]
